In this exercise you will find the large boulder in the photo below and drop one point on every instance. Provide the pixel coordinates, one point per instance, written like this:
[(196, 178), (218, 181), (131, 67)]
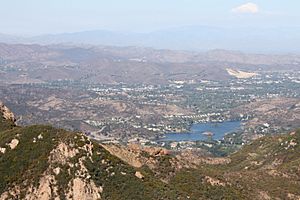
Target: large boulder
[(6, 113)]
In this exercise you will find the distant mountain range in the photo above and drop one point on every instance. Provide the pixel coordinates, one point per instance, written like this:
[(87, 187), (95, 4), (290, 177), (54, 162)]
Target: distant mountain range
[(199, 38)]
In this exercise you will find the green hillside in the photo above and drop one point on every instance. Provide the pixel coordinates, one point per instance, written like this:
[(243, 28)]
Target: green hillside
[(42, 162), (27, 163)]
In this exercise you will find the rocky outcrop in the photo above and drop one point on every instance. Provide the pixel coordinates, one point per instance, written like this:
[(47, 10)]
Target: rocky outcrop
[(130, 157), (13, 144), (79, 187), (85, 191), (139, 175), (6, 113)]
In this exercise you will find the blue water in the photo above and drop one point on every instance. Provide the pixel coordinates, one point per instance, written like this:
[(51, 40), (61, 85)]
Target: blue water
[(218, 129)]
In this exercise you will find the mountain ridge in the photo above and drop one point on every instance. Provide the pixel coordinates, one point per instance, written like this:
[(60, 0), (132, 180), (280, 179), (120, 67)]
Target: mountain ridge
[(42, 162), (198, 38), (21, 63)]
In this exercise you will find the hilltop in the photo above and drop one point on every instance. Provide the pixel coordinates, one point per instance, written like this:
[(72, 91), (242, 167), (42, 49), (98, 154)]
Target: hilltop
[(42, 162)]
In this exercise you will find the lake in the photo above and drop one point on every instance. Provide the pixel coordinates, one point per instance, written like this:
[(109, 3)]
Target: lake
[(197, 130)]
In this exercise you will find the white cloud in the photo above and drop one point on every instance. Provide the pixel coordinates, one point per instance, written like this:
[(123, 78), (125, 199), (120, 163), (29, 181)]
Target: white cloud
[(246, 8)]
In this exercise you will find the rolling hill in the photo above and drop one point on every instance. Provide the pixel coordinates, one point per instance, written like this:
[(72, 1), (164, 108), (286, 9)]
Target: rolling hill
[(20, 63), (41, 162)]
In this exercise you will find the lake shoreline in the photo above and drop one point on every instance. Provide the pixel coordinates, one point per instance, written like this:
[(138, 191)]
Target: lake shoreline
[(203, 131)]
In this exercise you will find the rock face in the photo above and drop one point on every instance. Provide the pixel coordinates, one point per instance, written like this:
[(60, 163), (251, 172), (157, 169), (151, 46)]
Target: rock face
[(7, 114), (50, 186)]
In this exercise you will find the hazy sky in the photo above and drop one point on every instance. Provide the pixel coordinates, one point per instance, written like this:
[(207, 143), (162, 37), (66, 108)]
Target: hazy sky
[(55, 16)]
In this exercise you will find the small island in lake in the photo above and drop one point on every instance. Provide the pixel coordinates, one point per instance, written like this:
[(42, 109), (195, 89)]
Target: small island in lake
[(208, 133), (203, 131)]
